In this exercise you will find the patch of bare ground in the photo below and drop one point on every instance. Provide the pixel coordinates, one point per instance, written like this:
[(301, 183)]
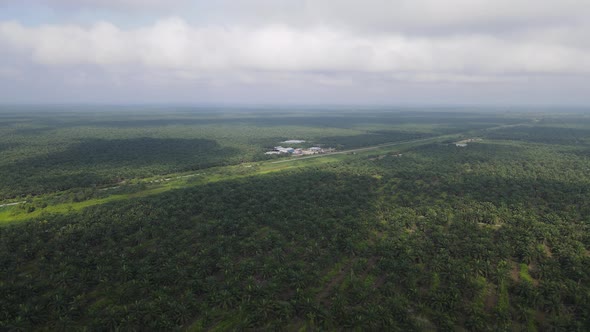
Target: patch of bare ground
[(548, 250), (533, 267), (491, 300), (514, 272), (540, 318)]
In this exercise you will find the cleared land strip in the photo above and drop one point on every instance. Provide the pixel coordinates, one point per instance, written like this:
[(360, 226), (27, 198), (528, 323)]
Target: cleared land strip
[(374, 147)]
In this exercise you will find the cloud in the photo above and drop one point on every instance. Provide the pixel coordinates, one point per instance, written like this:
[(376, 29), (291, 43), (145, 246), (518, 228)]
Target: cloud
[(407, 14), (310, 46), (100, 4), (173, 44), (433, 16)]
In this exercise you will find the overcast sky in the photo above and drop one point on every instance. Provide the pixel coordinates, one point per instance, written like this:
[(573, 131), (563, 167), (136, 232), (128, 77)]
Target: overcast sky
[(497, 52)]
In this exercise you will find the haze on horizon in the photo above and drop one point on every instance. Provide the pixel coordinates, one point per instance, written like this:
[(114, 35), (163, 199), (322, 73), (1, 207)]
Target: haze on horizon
[(316, 51)]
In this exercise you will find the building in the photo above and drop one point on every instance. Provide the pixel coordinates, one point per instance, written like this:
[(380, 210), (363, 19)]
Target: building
[(299, 151), (281, 149)]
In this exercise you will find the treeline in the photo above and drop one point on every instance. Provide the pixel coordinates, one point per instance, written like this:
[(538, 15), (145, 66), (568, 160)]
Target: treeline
[(555, 133)]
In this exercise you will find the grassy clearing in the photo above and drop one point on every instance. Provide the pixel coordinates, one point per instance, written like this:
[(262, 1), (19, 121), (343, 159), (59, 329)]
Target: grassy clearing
[(13, 214), (524, 273)]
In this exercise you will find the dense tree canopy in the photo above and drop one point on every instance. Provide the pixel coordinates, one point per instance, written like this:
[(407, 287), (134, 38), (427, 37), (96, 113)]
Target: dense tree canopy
[(491, 236)]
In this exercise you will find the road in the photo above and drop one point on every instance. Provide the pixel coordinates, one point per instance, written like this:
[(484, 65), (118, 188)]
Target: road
[(11, 204)]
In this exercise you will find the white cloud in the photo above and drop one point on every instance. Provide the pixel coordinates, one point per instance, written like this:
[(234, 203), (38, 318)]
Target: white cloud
[(295, 49), (373, 15), (435, 13), (100, 4), (172, 44)]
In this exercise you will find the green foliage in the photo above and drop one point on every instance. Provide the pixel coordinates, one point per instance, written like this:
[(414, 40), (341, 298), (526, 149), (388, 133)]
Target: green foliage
[(377, 241), (524, 273)]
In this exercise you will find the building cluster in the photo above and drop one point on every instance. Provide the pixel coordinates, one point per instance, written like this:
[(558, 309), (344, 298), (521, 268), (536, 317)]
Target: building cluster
[(297, 151), (463, 143)]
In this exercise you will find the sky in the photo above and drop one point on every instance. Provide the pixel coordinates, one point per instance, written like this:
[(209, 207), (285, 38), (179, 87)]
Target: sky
[(391, 52)]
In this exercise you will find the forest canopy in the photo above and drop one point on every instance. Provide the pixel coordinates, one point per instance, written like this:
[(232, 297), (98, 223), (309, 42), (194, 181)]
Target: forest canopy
[(179, 221)]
